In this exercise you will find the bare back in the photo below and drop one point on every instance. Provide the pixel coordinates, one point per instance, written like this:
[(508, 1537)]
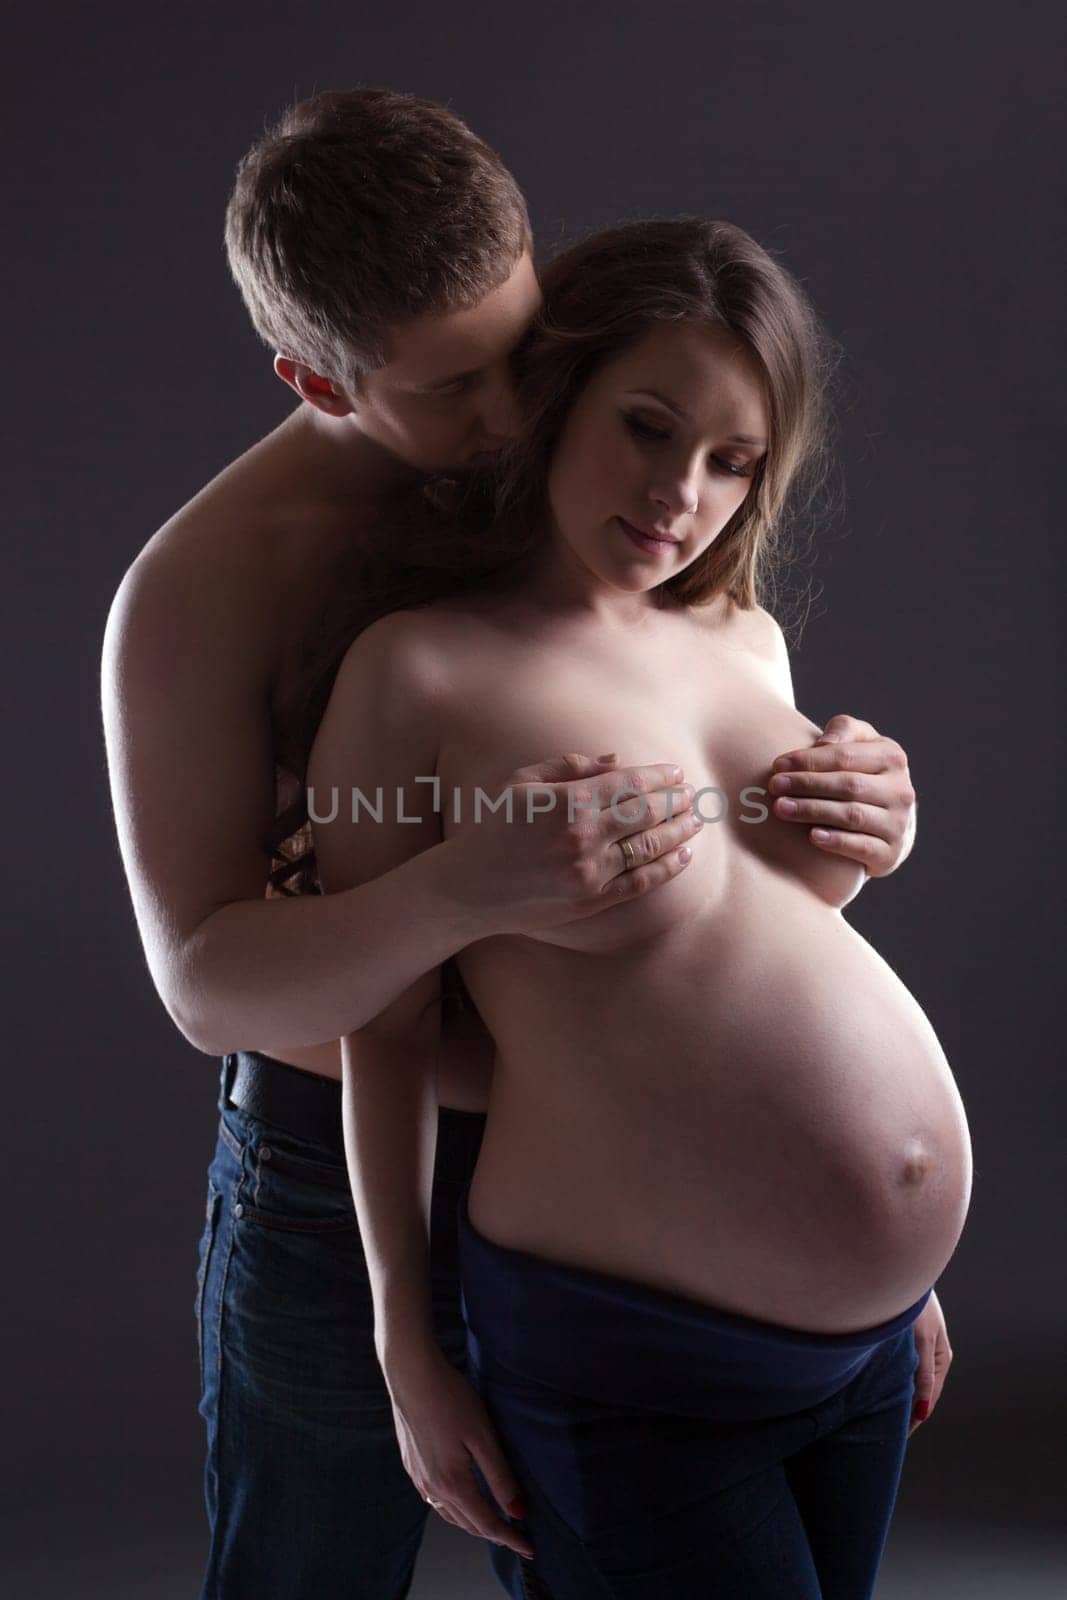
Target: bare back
[(204, 650)]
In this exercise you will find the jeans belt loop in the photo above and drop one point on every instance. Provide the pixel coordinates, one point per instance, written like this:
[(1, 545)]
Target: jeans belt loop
[(229, 1067)]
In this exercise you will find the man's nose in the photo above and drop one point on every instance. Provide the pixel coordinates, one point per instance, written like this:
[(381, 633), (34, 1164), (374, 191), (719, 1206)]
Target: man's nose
[(500, 410)]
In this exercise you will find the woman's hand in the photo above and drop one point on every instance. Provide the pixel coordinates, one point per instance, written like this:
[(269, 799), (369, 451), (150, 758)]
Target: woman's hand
[(935, 1358), (442, 1426), (855, 785)]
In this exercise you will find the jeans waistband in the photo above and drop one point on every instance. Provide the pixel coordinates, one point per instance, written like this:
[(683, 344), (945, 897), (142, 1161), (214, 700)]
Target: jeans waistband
[(657, 1351), (307, 1105)]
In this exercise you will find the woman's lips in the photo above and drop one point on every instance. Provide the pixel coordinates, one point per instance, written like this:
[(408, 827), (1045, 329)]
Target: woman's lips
[(646, 541)]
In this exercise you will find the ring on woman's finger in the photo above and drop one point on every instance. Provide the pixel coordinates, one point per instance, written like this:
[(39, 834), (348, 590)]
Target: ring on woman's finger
[(628, 854), (437, 1504)]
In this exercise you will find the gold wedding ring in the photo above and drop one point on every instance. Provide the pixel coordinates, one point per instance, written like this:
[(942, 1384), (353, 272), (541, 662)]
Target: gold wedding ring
[(437, 1504), (628, 854)]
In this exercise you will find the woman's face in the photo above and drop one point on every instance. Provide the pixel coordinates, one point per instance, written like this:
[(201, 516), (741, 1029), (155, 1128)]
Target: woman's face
[(657, 455)]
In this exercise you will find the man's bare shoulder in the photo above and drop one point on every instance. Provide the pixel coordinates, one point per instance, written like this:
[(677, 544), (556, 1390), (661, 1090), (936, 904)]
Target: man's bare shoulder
[(238, 523), (253, 554)]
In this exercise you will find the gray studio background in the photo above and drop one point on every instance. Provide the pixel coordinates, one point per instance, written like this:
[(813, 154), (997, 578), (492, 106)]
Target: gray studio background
[(905, 165)]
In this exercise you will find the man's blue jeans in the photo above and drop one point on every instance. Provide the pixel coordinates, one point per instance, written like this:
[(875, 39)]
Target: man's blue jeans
[(306, 1491)]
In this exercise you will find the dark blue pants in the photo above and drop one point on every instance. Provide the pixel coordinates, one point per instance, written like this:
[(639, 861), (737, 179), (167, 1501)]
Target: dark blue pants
[(306, 1492), (669, 1451)]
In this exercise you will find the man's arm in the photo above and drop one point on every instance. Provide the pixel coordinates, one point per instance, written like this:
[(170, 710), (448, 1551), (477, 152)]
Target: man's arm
[(185, 683), (189, 652)]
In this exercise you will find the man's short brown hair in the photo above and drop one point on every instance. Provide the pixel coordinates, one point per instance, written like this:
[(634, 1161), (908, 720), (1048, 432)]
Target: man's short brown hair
[(361, 208)]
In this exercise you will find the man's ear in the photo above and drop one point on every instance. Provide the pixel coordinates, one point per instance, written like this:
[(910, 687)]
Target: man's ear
[(313, 387)]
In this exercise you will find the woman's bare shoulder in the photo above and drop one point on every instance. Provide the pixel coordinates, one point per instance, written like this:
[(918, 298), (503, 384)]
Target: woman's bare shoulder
[(419, 652), (465, 608), (464, 625), (723, 618)]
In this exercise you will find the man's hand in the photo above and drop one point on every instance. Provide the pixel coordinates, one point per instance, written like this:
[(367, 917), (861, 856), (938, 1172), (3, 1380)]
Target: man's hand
[(854, 786), (442, 1427), (525, 875), (935, 1358)]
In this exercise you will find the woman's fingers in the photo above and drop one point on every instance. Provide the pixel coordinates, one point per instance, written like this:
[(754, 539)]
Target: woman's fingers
[(462, 1503), (505, 1491)]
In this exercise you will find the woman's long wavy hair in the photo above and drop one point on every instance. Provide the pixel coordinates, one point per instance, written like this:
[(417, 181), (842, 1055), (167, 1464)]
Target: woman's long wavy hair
[(477, 532)]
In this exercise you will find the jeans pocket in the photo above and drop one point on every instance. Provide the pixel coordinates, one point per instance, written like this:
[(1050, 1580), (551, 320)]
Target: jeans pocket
[(207, 1240), (293, 1185)]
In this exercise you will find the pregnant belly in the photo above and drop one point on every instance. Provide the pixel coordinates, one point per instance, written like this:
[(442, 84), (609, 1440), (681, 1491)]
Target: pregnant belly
[(766, 1123)]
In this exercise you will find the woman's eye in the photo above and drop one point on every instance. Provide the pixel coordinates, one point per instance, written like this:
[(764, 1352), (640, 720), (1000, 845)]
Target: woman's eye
[(644, 430)]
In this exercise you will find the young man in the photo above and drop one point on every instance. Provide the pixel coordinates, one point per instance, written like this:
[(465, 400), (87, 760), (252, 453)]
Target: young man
[(384, 255)]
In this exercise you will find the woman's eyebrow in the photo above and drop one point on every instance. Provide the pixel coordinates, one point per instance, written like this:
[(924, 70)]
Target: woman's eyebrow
[(735, 438)]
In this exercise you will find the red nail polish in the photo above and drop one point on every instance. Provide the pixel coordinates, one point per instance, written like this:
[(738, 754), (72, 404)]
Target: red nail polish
[(922, 1410), (517, 1509)]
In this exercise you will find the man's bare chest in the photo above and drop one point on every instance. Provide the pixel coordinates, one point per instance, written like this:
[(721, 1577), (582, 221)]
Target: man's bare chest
[(315, 612)]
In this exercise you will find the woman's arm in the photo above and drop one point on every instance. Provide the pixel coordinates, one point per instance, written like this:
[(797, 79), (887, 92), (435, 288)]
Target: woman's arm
[(379, 733), (377, 736)]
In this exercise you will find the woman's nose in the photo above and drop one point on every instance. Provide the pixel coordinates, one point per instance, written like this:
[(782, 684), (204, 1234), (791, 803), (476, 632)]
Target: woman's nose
[(677, 495)]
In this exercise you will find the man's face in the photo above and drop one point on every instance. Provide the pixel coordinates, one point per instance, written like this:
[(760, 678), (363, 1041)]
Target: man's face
[(445, 394)]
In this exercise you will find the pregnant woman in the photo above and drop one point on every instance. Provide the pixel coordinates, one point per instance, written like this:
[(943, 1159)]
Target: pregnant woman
[(725, 1158)]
